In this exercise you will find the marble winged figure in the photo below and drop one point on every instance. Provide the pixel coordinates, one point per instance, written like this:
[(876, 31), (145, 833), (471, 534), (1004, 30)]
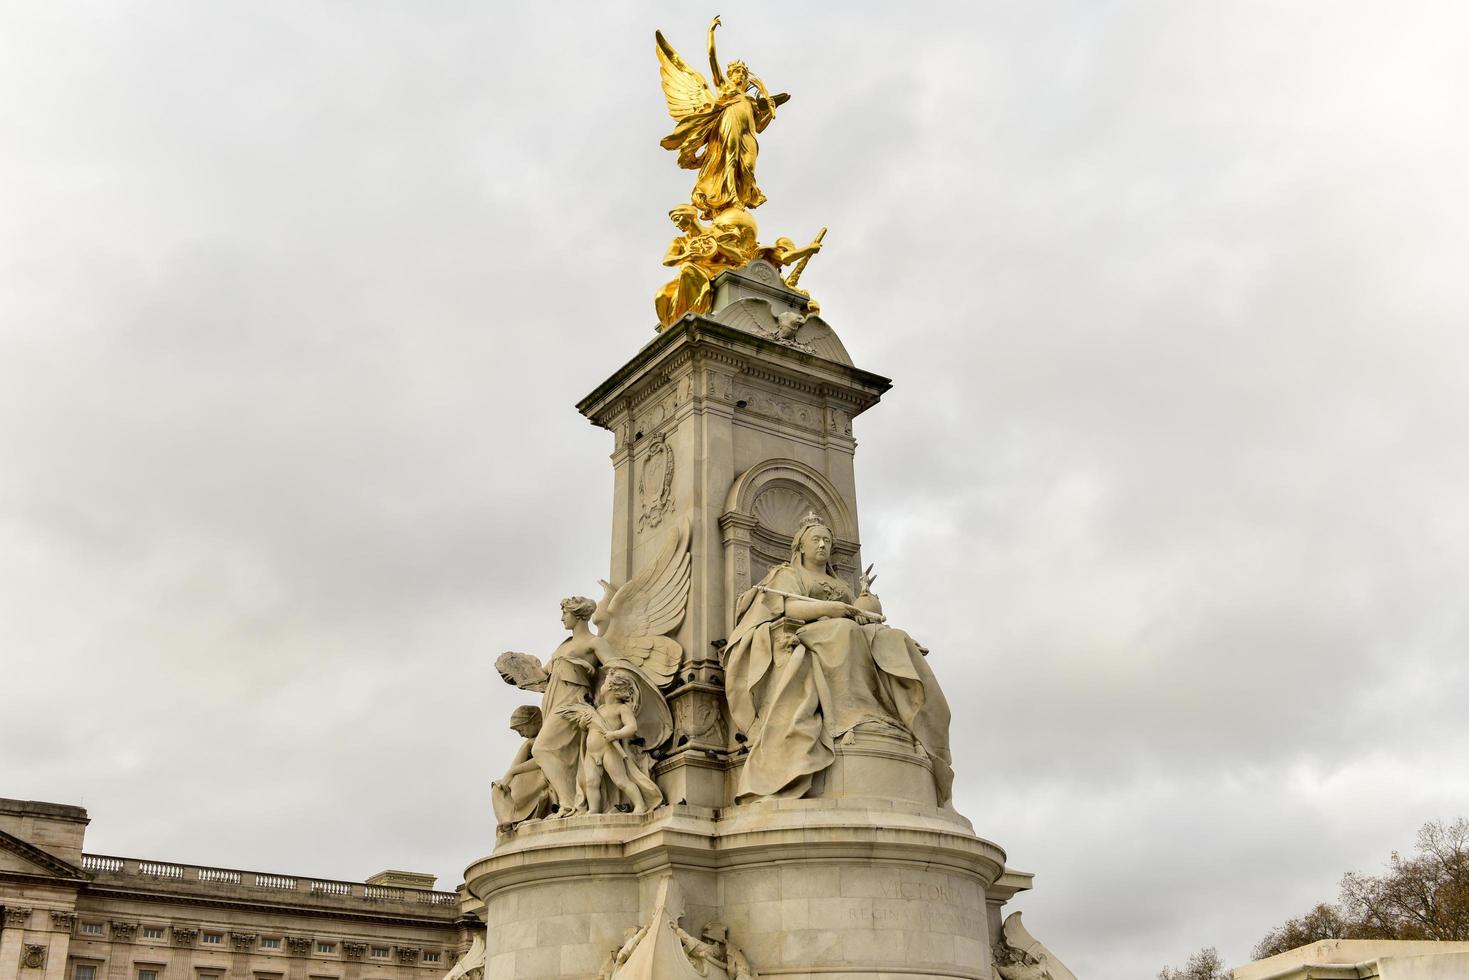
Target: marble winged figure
[(634, 619), (1020, 956), (715, 127), (633, 622)]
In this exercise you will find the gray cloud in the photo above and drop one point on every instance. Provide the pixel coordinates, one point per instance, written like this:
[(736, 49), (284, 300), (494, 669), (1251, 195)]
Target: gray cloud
[(295, 302)]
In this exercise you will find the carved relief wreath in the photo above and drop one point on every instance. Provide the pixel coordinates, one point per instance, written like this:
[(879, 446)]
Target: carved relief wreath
[(655, 483)]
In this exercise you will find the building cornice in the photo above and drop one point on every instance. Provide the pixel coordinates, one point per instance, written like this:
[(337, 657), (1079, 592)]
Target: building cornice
[(272, 908), (42, 859)]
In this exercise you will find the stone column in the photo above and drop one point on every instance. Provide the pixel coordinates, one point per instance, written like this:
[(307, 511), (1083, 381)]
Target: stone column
[(12, 939), (118, 959), (243, 944), (353, 954), (62, 922), (181, 953)]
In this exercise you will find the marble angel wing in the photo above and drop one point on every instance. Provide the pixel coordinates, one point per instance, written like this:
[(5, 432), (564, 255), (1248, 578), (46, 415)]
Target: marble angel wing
[(639, 616), (1025, 957), (522, 670), (684, 88)]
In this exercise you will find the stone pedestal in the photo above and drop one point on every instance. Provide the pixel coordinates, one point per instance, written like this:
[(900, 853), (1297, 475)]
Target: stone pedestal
[(863, 889)]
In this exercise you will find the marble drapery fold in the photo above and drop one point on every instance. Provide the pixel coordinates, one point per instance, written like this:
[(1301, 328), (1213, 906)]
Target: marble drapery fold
[(796, 689)]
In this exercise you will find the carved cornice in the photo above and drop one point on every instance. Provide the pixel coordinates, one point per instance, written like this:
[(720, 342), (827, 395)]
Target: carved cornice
[(243, 941), (354, 951), (321, 911), (17, 916), (42, 859), (407, 954), (123, 932), (705, 343), (33, 956), (63, 921), (299, 945), (184, 935)]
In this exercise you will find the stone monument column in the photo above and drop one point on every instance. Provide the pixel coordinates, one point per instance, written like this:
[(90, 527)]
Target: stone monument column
[(734, 765)]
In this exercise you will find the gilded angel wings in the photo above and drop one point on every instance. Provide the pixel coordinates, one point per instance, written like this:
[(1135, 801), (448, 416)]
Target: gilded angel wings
[(716, 126), (683, 87), (637, 617)]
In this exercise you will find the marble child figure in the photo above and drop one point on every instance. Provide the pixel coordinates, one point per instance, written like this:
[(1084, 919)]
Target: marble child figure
[(610, 752)]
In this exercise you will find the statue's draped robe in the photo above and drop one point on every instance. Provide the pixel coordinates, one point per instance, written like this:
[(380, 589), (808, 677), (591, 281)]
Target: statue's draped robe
[(726, 134), (525, 794), (796, 699), (570, 683), (689, 292)]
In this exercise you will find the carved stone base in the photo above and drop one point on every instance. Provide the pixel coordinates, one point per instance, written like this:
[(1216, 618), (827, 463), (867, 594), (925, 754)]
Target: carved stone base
[(878, 763), (861, 888)]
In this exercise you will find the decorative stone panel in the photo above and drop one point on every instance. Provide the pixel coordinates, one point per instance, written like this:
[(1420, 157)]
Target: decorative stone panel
[(243, 941), (763, 510), (407, 954), (123, 932), (33, 956), (17, 917), (354, 951), (63, 921), (184, 936), (299, 945)]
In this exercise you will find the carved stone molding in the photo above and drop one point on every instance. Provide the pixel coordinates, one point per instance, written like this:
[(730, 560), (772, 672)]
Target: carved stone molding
[(299, 945), (762, 511), (17, 917), (184, 936), (354, 951), (655, 483), (407, 954), (123, 932), (243, 941), (63, 921), (34, 956)]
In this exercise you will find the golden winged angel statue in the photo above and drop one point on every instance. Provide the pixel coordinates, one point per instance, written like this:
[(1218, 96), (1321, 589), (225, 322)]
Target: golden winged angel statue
[(715, 131)]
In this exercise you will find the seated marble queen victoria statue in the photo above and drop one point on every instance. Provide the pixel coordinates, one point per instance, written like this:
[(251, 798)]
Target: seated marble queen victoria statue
[(809, 664)]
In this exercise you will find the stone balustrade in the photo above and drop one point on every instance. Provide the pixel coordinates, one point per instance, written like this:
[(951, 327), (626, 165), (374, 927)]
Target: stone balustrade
[(105, 868)]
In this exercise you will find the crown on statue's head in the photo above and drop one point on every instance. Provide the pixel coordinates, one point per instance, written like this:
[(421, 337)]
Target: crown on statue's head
[(812, 518)]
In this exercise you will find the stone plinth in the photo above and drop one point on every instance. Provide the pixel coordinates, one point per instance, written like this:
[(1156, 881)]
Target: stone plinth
[(862, 888)]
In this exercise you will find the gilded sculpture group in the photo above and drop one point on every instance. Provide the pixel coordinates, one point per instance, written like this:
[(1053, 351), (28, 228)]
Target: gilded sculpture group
[(808, 665), (715, 134)]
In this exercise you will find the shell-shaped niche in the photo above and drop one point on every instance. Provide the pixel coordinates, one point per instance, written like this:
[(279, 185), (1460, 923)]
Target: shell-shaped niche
[(780, 509)]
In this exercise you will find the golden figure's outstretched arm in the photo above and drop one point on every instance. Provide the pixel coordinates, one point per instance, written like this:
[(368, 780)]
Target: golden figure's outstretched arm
[(714, 71)]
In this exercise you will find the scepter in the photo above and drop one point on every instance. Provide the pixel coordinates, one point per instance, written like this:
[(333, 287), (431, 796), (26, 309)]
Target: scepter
[(876, 617), (795, 276)]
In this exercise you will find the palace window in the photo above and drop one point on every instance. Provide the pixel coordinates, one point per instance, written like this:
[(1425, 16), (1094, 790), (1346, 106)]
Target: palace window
[(270, 942), (430, 957), (147, 975), (326, 947), (381, 952), (212, 939), (84, 971), (92, 929), (152, 932)]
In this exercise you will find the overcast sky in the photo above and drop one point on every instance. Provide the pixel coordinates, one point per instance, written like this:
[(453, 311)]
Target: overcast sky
[(296, 300)]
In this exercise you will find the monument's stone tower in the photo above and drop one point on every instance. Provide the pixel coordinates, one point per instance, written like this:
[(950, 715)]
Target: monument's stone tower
[(721, 421), (745, 771)]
